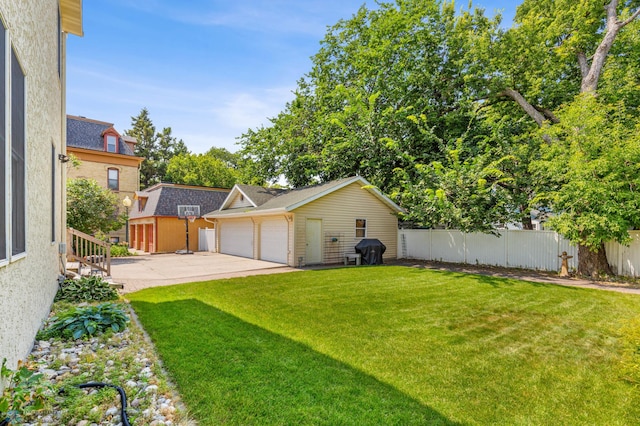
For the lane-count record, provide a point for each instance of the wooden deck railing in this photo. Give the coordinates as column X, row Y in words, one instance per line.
column 88, row 251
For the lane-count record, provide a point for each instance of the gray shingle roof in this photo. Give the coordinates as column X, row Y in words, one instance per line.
column 258, row 194
column 87, row 134
column 269, row 199
column 163, row 200
column 297, row 195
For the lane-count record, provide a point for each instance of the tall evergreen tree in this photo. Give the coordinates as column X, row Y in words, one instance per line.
column 157, row 148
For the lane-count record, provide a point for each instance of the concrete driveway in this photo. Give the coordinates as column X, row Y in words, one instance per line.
column 138, row 272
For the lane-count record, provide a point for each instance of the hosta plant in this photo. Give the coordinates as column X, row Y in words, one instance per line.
column 77, row 323
column 86, row 289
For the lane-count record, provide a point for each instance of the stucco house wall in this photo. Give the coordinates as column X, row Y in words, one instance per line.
column 28, row 282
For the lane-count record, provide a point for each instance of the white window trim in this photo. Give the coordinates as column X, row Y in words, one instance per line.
column 366, row 222
column 22, row 255
column 5, row 161
column 9, row 48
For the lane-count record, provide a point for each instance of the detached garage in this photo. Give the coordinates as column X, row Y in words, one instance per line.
column 236, row 237
column 274, row 236
column 317, row 224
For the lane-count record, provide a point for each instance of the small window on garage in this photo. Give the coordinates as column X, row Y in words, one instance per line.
column 361, row 228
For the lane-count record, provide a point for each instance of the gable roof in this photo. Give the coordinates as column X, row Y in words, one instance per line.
column 86, row 133
column 269, row 200
column 163, row 199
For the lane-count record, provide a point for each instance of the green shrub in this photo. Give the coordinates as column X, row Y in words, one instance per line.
column 24, row 393
column 120, row 250
column 88, row 289
column 76, row 323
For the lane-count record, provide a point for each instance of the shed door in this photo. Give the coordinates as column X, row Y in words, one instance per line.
column 274, row 238
column 314, row 241
column 236, row 238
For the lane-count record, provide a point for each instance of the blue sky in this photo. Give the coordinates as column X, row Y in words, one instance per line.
column 209, row 69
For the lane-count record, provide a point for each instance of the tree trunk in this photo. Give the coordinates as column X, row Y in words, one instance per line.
column 526, row 223
column 593, row 264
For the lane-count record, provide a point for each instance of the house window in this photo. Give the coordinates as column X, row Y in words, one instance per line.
column 53, row 193
column 3, row 148
column 361, row 228
column 59, row 45
column 142, row 203
column 113, row 179
column 114, row 240
column 18, row 169
column 112, row 143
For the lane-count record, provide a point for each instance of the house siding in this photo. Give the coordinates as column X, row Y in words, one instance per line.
column 339, row 211
column 240, row 201
column 28, row 284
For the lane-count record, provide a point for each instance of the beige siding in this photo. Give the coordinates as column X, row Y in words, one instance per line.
column 239, row 201
column 28, row 284
column 339, row 211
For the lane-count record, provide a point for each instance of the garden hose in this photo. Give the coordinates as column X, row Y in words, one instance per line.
column 123, row 398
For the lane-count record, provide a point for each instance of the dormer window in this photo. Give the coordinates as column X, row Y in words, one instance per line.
column 111, row 140
column 112, row 143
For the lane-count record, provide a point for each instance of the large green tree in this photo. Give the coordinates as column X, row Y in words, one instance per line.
column 202, row 170
column 443, row 108
column 157, row 148
column 593, row 170
column 559, row 51
column 91, row 208
column 386, row 90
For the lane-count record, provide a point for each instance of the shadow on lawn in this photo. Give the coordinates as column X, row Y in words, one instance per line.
column 494, row 279
column 232, row 372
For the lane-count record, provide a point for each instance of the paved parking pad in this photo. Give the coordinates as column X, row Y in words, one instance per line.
column 138, row 272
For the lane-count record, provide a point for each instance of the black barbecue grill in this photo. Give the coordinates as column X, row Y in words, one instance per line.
column 371, row 251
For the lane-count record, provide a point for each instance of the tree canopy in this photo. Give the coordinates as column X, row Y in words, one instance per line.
column 91, row 208
column 157, row 148
column 462, row 120
column 202, row 170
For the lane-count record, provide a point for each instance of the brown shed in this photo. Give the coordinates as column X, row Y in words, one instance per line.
column 154, row 225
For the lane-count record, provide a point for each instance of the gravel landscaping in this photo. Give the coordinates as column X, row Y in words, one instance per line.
column 125, row 359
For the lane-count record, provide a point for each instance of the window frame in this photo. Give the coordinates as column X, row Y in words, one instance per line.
column 53, row 193
column 18, row 218
column 361, row 228
column 109, row 170
column 107, row 135
column 5, row 179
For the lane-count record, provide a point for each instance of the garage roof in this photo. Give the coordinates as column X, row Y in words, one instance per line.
column 268, row 200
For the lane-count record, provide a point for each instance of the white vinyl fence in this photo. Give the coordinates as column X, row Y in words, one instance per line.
column 207, row 239
column 539, row 250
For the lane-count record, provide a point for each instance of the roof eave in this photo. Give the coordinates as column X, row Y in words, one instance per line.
column 232, row 194
column 223, row 214
column 365, row 184
column 71, row 17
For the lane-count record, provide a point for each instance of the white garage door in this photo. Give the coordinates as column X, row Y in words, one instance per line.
column 236, row 238
column 273, row 240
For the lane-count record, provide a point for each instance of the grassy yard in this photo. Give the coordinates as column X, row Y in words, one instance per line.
column 393, row 345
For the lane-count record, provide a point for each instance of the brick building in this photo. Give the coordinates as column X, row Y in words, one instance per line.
column 106, row 156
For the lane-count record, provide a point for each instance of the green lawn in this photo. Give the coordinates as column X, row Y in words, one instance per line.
column 393, row 345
